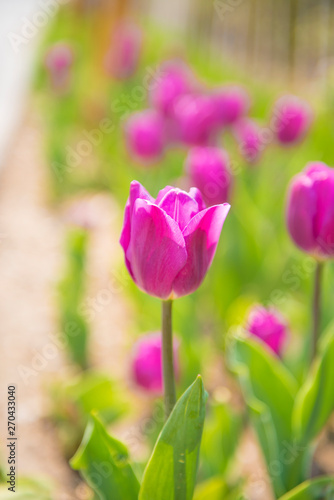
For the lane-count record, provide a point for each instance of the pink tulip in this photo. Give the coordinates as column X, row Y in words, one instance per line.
column 123, row 57
column 247, row 133
column 194, row 119
column 169, row 243
column 310, row 210
column 231, row 104
column 208, row 169
column 147, row 363
column 58, row 62
column 292, row 118
column 175, row 81
column 269, row 326
column 145, row 134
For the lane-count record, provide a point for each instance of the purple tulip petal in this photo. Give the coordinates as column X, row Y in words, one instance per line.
column 197, row 195
column 324, row 221
column 136, row 191
column 162, row 193
column 201, row 236
column 301, row 211
column 180, row 206
column 157, row 249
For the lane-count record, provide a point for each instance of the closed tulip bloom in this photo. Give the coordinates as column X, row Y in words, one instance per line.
column 147, row 363
column 247, row 133
column 310, row 210
column 231, row 103
column 194, row 119
column 269, row 326
column 292, row 117
column 145, row 134
column 175, row 80
column 208, row 169
column 123, row 57
column 169, row 243
column 58, row 62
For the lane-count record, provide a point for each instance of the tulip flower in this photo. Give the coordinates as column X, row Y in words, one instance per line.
column 123, row 57
column 58, row 62
column 194, row 119
column 231, row 104
column 147, row 363
column 247, row 133
column 292, row 118
column 145, row 134
column 269, row 326
column 169, row 244
column 175, row 81
column 310, row 220
column 208, row 169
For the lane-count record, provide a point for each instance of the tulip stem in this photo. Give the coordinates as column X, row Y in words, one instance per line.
column 316, row 308
column 167, row 358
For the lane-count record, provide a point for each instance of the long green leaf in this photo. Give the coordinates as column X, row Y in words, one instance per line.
column 315, row 401
column 269, row 391
column 171, row 471
column 316, row 489
column 103, row 462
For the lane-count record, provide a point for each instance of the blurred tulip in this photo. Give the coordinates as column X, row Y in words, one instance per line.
column 194, row 119
column 145, row 134
column 231, row 103
column 147, row 363
column 208, row 169
column 269, row 326
column 292, row 118
column 169, row 243
column 175, row 80
column 247, row 133
column 123, row 57
column 58, row 62
column 310, row 210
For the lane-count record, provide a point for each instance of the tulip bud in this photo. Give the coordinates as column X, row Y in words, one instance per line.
column 310, row 210
column 145, row 134
column 231, row 103
column 169, row 243
column 58, row 62
column 269, row 326
column 123, row 57
column 194, row 119
column 292, row 118
column 147, row 363
column 208, row 169
column 175, row 80
column 247, row 133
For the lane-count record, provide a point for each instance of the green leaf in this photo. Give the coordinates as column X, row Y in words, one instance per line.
column 315, row 489
column 171, row 471
column 212, row 489
column 315, row 400
column 269, row 391
column 103, row 462
column 220, row 438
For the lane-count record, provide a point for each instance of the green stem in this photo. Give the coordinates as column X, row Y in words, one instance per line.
column 316, row 308
column 167, row 358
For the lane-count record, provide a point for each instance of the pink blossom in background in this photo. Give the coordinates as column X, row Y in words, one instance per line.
column 169, row 242
column 269, row 326
column 247, row 133
column 145, row 135
column 208, row 170
column 58, row 61
column 174, row 80
column 231, row 103
column 123, row 57
column 310, row 210
column 291, row 118
column 147, row 363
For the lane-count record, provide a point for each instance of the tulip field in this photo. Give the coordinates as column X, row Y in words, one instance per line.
column 193, row 203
